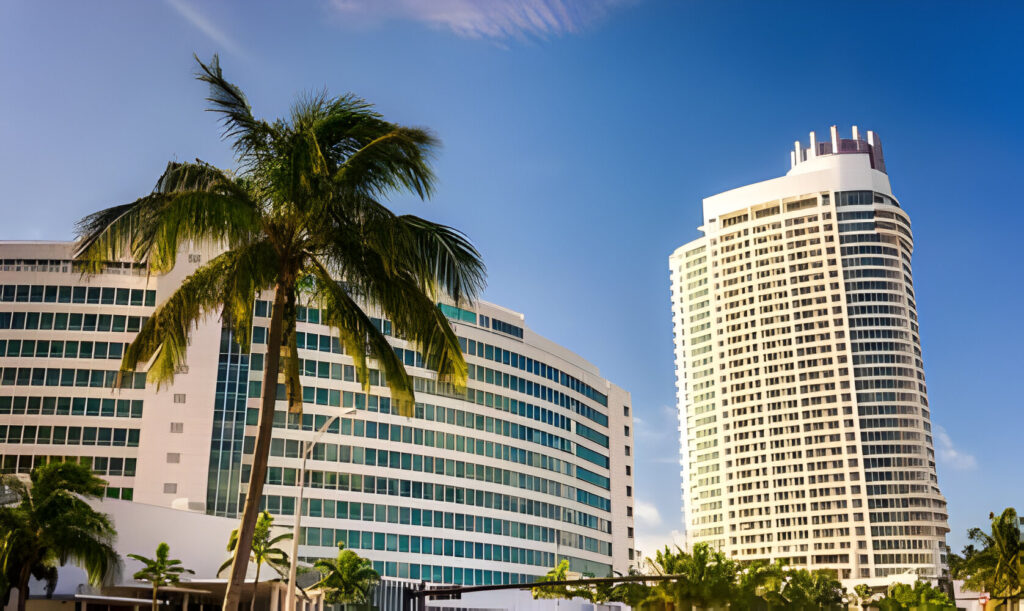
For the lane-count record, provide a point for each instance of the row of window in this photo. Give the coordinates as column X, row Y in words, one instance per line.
column 92, row 378
column 439, row 466
column 406, row 434
column 62, row 350
column 70, row 406
column 100, row 465
column 71, row 321
column 356, row 482
column 393, row 514
column 37, row 293
column 538, row 368
column 69, row 435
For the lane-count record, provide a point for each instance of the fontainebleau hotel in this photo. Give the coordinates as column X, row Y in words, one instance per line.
column 531, row 463
column 804, row 418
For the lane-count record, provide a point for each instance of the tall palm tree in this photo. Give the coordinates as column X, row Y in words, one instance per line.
column 348, row 579
column 159, row 570
column 301, row 217
column 998, row 566
column 263, row 551
column 52, row 524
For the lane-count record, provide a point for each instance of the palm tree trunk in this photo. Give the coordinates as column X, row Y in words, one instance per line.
column 271, row 366
column 23, row 577
column 255, row 587
column 156, row 603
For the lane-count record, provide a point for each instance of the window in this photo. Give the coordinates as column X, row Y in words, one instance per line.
column 170, row 488
column 629, row 532
column 177, row 427
column 626, row 429
column 625, row 410
column 629, row 511
column 629, row 491
column 173, row 458
column 629, row 470
column 179, row 397
column 627, row 451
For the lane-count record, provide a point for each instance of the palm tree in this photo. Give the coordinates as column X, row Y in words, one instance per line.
column 52, row 524
column 998, row 567
column 760, row 585
column 160, row 570
column 348, row 579
column 300, row 217
column 812, row 589
column 263, row 551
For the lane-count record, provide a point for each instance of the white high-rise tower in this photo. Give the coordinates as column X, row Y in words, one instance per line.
column 805, row 425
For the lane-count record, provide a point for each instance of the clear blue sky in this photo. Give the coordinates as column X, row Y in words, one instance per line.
column 580, row 137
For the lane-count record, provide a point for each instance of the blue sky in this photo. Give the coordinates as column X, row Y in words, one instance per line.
column 579, row 138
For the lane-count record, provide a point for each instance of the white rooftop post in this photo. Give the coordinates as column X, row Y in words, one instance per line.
column 814, row 145
column 856, row 134
column 792, row 160
column 797, row 153
column 835, row 140
column 871, row 137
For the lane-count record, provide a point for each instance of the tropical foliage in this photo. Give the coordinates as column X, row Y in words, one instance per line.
column 263, row 551
column 707, row 579
column 160, row 570
column 51, row 525
column 300, row 217
column 996, row 565
column 348, row 579
column 922, row 596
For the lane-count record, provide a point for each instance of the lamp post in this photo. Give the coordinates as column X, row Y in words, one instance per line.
column 294, row 560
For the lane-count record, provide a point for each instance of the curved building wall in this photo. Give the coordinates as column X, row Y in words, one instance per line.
column 532, row 463
column 804, row 424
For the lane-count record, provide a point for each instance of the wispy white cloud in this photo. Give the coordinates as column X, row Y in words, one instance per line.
column 496, row 19
column 646, row 514
column 207, row 27
column 950, row 455
column 649, row 542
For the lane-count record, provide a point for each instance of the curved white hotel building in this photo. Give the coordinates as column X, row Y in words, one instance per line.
column 532, row 463
column 805, row 427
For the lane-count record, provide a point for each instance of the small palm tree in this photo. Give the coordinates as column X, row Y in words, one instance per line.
column 708, row 577
column 998, row 567
column 52, row 524
column 348, row 579
column 263, row 551
column 300, row 217
column 160, row 570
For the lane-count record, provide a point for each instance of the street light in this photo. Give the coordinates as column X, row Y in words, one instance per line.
column 293, row 561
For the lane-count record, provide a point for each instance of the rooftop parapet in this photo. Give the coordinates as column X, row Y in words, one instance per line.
column 872, row 147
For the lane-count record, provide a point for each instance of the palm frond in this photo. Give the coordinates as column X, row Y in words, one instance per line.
column 398, row 159
column 249, row 134
column 360, row 338
column 166, row 335
column 192, row 202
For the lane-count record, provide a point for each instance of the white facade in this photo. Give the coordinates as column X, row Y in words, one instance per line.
column 804, row 419
column 532, row 463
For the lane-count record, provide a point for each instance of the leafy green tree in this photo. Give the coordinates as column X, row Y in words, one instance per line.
column 299, row 217
column 921, row 596
column 813, row 589
column 760, row 586
column 159, row 570
column 348, row 579
column 998, row 566
column 560, row 572
column 864, row 595
column 52, row 524
column 707, row 579
column 263, row 551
